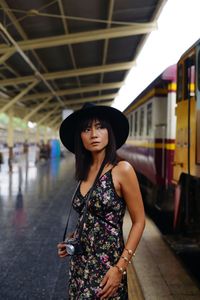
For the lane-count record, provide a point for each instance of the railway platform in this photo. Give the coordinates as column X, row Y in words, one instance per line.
column 158, row 272
column 34, row 204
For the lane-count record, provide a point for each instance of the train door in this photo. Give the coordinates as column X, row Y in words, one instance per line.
column 198, row 111
column 184, row 158
column 187, row 206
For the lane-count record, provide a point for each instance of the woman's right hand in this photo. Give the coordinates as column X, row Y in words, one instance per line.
column 62, row 250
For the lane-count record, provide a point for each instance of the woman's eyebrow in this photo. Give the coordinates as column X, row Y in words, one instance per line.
column 97, row 122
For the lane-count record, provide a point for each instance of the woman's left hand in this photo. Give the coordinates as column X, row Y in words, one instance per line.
column 110, row 283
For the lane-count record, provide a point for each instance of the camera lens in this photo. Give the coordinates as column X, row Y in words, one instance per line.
column 70, row 249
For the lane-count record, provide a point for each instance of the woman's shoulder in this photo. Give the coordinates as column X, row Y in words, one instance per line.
column 124, row 165
column 124, row 168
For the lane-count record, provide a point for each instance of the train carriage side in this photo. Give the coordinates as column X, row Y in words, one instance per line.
column 186, row 169
column 150, row 146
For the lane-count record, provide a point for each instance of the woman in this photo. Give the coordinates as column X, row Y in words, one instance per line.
column 94, row 133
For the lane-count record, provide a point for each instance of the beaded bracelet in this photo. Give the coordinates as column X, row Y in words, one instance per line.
column 130, row 252
column 120, row 269
column 126, row 259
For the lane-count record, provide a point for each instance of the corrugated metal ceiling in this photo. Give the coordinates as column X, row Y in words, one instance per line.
column 59, row 54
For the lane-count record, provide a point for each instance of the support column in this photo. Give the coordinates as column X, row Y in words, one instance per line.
column 37, row 137
column 45, row 135
column 26, row 134
column 10, row 139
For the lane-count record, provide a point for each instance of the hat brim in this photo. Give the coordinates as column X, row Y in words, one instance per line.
column 118, row 121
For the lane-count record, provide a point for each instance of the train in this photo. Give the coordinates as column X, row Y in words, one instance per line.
column 164, row 146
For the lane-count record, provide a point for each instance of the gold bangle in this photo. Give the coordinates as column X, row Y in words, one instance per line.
column 130, row 252
column 126, row 259
column 120, row 269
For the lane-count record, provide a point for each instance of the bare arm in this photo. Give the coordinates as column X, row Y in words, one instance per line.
column 132, row 195
column 129, row 188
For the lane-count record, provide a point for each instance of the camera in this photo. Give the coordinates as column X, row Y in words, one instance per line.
column 73, row 246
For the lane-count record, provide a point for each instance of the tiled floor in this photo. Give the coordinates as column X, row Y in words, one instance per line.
column 34, row 203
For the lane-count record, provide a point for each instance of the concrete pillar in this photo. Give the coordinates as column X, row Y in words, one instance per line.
column 37, row 136
column 45, row 135
column 10, row 139
column 26, row 135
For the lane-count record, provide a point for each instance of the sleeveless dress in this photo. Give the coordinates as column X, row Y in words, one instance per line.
column 103, row 241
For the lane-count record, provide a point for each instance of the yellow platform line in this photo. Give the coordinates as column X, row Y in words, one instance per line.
column 134, row 289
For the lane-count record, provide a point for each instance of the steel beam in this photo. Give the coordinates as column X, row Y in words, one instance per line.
column 47, row 115
column 54, row 120
column 105, row 86
column 18, row 97
column 35, row 110
column 6, row 56
column 78, row 106
column 84, row 100
column 70, row 73
column 82, row 37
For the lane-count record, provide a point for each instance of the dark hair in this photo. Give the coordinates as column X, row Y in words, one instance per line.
column 83, row 156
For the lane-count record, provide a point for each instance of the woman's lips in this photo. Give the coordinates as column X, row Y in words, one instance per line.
column 94, row 143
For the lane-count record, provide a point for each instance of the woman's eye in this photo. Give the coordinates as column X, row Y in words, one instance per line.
column 87, row 129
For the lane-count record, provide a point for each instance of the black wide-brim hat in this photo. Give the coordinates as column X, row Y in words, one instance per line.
column 116, row 118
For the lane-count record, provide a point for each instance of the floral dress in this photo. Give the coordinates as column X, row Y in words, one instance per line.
column 103, row 241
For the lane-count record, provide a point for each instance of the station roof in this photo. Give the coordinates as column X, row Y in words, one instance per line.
column 59, row 54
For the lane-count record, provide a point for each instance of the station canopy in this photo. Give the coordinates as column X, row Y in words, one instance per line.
column 59, row 54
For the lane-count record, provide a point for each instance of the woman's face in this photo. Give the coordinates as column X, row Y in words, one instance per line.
column 95, row 137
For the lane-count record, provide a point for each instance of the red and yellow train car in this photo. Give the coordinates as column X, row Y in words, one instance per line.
column 151, row 143
column 186, row 166
column 164, row 144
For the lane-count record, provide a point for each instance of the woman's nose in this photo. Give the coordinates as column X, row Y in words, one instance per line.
column 93, row 132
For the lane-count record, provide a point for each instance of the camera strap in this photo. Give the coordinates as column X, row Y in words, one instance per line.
column 67, row 223
column 86, row 203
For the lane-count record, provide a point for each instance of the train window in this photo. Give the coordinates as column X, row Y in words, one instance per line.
column 142, row 121
column 149, row 119
column 180, row 83
column 192, row 76
column 186, row 79
column 189, row 78
column 136, row 123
